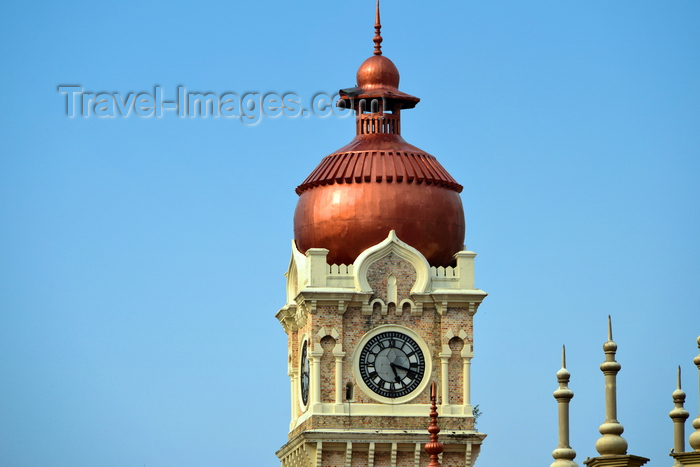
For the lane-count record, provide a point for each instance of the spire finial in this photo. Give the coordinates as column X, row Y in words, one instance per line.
column 611, row 443
column 611, row 446
column 563, row 455
column 377, row 34
column 679, row 416
column 434, row 448
column 694, row 439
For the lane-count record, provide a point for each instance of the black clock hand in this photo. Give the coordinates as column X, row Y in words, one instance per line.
column 396, row 373
column 408, row 370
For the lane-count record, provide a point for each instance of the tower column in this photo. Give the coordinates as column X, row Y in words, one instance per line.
column 315, row 386
column 445, row 378
column 467, row 355
column 339, row 355
column 294, row 381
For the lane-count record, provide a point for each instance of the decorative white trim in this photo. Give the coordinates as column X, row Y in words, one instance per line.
column 292, row 281
column 391, row 290
column 315, row 353
column 323, row 332
column 319, row 453
column 348, row 454
column 392, row 244
column 296, row 277
column 448, row 335
column 411, row 303
column 382, row 306
column 376, row 409
column 416, row 455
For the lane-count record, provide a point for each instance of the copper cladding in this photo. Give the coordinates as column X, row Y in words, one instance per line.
column 379, row 182
column 349, row 218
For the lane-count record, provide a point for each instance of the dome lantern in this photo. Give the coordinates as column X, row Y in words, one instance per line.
column 379, row 182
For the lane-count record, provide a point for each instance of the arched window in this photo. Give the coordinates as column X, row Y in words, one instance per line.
column 349, row 392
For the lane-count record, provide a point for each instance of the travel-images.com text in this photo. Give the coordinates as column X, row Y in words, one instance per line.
column 249, row 108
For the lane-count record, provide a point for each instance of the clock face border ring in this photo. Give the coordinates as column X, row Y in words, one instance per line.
column 426, row 355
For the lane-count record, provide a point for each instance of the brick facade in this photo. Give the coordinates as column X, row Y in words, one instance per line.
column 380, row 270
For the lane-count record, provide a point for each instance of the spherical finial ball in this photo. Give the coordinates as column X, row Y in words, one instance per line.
column 563, row 373
column 378, row 72
column 609, row 346
column 678, row 394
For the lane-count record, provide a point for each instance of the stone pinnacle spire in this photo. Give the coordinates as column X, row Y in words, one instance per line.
column 611, row 446
column 679, row 416
column 611, row 442
column 563, row 455
column 694, row 439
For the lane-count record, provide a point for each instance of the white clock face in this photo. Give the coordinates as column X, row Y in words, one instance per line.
column 304, row 374
column 392, row 364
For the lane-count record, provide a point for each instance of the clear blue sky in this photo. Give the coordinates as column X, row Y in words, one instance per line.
column 141, row 259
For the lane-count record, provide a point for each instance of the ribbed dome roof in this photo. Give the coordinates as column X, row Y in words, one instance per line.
column 367, row 161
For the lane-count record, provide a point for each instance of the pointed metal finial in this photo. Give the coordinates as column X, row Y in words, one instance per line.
column 377, row 34
column 609, row 328
column 434, row 448
column 563, row 356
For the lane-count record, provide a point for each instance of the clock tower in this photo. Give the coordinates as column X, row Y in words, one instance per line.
column 380, row 296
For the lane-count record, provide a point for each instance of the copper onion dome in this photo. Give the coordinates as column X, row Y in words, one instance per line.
column 379, row 182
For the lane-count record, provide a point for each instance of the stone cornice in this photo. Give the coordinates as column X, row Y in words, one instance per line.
column 286, row 316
